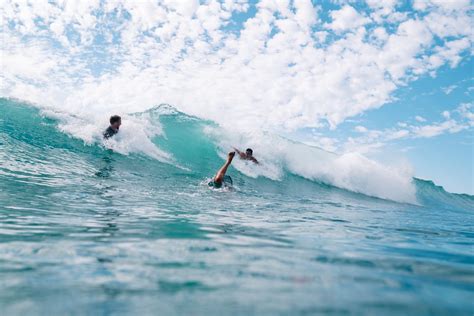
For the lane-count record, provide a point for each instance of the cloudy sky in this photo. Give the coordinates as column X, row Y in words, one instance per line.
column 390, row 79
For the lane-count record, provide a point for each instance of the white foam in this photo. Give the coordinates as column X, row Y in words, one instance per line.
column 351, row 171
column 226, row 140
column 135, row 134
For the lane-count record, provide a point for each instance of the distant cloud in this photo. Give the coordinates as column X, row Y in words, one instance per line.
column 449, row 89
column 462, row 118
column 360, row 129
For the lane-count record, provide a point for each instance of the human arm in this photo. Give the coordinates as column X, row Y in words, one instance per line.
column 221, row 173
column 241, row 154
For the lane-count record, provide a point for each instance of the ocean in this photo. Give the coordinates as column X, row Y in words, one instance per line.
column 129, row 226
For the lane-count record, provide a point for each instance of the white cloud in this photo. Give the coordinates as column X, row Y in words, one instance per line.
column 186, row 8
column 443, row 4
column 380, row 34
column 382, row 9
column 360, row 129
column 420, row 118
column 436, row 129
column 346, row 18
column 282, row 70
column 306, row 14
column 382, row 4
column 451, row 124
column 449, row 89
column 461, row 118
column 402, row 133
column 465, row 111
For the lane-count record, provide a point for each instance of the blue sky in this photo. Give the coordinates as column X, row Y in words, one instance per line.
column 447, row 159
column 391, row 80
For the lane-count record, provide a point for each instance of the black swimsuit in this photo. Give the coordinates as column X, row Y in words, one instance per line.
column 227, row 181
column 109, row 132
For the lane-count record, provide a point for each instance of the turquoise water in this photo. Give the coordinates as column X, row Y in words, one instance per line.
column 88, row 230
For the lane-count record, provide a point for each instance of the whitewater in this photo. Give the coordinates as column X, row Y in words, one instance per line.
column 130, row 226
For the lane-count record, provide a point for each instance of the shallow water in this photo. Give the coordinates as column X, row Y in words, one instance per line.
column 85, row 230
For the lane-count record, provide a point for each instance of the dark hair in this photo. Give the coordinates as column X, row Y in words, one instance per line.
column 114, row 119
column 249, row 150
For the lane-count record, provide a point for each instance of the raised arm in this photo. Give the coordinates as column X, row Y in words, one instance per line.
column 219, row 177
column 241, row 154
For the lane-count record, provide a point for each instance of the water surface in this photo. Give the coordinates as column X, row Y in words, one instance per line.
column 86, row 230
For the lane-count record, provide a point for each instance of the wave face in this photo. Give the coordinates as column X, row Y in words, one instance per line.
column 131, row 219
column 177, row 141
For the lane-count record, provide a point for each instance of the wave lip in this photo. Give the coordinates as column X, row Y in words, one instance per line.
column 430, row 194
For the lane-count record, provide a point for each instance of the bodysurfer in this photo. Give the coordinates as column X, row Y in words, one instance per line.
column 247, row 155
column 115, row 122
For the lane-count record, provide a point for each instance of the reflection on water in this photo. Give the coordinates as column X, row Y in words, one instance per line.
column 107, row 168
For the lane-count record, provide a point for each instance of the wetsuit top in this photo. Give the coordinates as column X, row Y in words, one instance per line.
column 109, row 132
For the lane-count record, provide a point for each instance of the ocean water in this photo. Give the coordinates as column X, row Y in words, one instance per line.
column 129, row 226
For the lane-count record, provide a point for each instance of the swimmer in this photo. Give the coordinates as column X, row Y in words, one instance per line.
column 247, row 155
column 115, row 122
column 221, row 177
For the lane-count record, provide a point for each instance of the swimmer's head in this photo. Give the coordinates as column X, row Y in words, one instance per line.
column 249, row 152
column 115, row 121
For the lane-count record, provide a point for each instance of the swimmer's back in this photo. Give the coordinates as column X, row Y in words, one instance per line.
column 227, row 182
column 109, row 132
